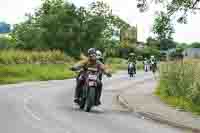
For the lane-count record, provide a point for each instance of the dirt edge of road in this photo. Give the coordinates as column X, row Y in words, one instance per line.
column 124, row 103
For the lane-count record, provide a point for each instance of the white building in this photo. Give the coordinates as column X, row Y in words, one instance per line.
column 191, row 53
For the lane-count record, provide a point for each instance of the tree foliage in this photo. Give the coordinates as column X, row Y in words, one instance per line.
column 195, row 45
column 167, row 44
column 162, row 26
column 153, row 43
column 173, row 8
column 5, row 43
column 61, row 25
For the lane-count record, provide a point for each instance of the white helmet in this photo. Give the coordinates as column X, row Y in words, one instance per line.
column 152, row 56
column 99, row 54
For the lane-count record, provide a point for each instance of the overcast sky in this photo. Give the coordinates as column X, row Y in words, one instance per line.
column 12, row 11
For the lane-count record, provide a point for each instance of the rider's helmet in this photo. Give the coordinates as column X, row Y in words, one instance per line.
column 131, row 54
column 99, row 54
column 92, row 54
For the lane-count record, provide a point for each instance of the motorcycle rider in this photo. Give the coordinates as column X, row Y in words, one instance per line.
column 146, row 64
column 90, row 62
column 153, row 61
column 132, row 59
column 100, row 58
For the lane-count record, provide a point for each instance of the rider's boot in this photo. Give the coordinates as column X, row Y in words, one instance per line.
column 135, row 69
column 128, row 70
column 77, row 95
column 78, row 91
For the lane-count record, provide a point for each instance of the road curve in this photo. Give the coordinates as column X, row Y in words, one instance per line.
column 46, row 107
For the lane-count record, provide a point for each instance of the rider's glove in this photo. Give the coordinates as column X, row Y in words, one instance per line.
column 109, row 74
column 72, row 69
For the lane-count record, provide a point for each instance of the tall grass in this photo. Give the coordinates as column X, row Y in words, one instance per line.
column 32, row 57
column 31, row 72
column 181, row 80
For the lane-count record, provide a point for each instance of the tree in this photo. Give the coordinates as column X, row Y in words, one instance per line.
column 61, row 25
column 194, row 45
column 147, row 52
column 154, row 43
column 173, row 7
column 167, row 44
column 162, row 27
column 6, row 43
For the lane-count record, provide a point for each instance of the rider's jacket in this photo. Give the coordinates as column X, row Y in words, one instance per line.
column 146, row 62
column 86, row 63
column 132, row 60
column 153, row 61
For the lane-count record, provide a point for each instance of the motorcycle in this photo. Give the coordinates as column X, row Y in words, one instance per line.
column 88, row 97
column 146, row 66
column 153, row 66
column 131, row 69
column 88, row 94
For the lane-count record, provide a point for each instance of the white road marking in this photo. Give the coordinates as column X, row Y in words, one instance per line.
column 26, row 108
column 33, row 115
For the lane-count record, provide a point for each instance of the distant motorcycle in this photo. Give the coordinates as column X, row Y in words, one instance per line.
column 153, row 66
column 131, row 69
column 146, row 66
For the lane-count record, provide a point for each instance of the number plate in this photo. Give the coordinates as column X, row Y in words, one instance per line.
column 92, row 77
column 92, row 83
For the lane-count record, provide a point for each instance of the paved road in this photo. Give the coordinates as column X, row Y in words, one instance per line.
column 46, row 107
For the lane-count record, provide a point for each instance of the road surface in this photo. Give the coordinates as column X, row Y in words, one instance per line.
column 46, row 107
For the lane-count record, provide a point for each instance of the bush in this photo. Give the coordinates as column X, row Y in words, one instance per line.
column 27, row 57
column 117, row 64
column 194, row 45
column 6, row 43
column 181, row 80
column 147, row 52
column 140, row 65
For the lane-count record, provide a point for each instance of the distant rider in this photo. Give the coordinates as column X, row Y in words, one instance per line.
column 153, row 62
column 132, row 59
column 146, row 64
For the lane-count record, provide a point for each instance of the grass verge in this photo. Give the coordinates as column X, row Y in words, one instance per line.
column 178, row 102
column 15, row 73
column 10, row 74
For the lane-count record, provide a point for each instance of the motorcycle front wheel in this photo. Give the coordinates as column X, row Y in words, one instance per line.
column 90, row 100
column 82, row 103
